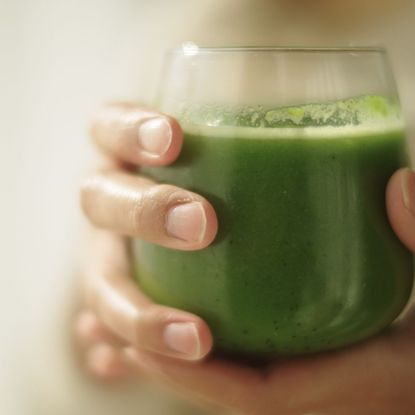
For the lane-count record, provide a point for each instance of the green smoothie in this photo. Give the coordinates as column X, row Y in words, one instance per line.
column 305, row 259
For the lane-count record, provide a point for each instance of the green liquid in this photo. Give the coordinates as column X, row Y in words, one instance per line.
column 305, row 259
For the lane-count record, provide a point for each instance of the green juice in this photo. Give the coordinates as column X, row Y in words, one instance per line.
column 305, row 259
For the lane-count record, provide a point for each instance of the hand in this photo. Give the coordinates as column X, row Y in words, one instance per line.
column 372, row 378
column 116, row 314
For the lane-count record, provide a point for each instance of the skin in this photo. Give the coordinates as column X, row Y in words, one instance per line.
column 351, row 11
column 338, row 20
column 122, row 333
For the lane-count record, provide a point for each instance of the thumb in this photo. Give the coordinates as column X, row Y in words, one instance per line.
column 400, row 204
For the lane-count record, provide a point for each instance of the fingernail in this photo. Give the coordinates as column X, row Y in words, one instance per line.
column 408, row 190
column 187, row 222
column 154, row 136
column 183, row 338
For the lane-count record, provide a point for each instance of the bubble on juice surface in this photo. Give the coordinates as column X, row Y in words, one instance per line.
column 367, row 109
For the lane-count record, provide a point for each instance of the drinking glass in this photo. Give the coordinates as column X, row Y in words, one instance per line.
column 294, row 148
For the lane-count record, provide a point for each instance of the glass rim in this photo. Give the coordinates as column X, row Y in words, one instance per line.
column 191, row 49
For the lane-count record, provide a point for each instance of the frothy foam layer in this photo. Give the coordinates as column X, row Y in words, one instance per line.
column 361, row 115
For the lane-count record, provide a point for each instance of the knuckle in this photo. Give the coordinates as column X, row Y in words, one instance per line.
column 91, row 189
column 108, row 127
column 162, row 191
column 124, row 130
column 148, row 215
column 137, row 213
column 144, row 323
column 86, row 193
column 119, row 138
column 167, row 194
column 150, row 207
column 93, row 289
column 152, row 315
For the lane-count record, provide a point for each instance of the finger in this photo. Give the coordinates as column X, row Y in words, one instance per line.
column 123, row 309
column 400, row 202
column 90, row 331
column 216, row 382
column 104, row 362
column 137, row 135
column 159, row 213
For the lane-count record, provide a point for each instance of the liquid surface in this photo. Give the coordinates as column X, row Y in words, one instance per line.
column 305, row 259
column 368, row 112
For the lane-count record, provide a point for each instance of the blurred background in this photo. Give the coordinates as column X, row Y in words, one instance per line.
column 59, row 61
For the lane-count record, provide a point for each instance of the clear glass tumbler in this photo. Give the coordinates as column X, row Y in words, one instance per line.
column 294, row 148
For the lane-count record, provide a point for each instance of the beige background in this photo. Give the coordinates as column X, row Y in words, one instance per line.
column 58, row 61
